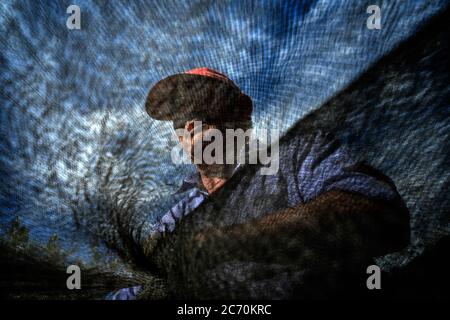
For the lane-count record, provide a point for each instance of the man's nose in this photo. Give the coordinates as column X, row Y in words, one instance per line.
column 194, row 126
column 190, row 125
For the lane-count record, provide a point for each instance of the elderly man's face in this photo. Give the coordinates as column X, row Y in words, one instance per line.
column 215, row 147
column 199, row 135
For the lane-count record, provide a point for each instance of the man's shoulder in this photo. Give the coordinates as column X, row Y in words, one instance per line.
column 295, row 144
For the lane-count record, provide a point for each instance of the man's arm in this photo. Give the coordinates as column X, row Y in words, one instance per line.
column 336, row 225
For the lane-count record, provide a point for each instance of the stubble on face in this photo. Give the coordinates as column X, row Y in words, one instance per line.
column 196, row 137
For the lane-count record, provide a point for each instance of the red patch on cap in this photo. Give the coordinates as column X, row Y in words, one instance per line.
column 208, row 73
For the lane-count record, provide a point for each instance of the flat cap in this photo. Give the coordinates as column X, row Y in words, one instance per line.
column 200, row 93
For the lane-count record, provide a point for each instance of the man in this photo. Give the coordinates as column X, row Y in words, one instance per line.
column 318, row 184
